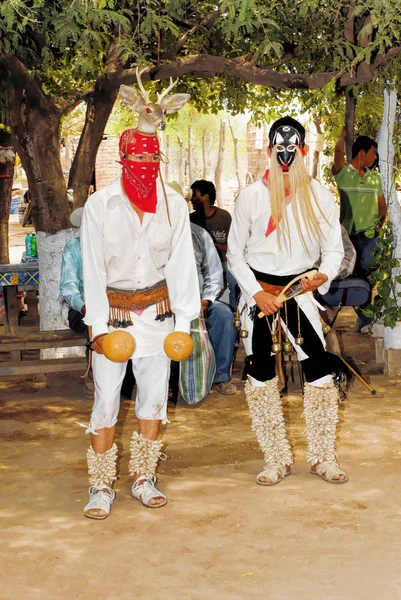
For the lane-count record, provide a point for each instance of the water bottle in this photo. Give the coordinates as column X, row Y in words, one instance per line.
column 28, row 245
column 34, row 246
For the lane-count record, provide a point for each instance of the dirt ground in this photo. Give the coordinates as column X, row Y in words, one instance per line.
column 220, row 536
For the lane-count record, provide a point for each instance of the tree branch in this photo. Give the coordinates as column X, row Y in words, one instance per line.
column 206, row 65
column 365, row 71
column 349, row 32
column 206, row 24
column 113, row 65
column 365, row 39
column 19, row 74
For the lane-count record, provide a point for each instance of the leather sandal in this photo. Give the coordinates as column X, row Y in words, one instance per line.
column 226, row 388
column 144, row 490
column 275, row 473
column 327, row 470
column 101, row 497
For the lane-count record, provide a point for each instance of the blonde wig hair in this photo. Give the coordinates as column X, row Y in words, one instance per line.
column 302, row 198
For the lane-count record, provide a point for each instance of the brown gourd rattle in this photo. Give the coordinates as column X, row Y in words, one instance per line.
column 178, row 345
column 118, row 346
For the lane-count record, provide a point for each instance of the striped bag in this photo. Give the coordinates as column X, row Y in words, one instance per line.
column 198, row 371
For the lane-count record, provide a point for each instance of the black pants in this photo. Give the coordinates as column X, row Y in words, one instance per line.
column 76, row 322
column 262, row 363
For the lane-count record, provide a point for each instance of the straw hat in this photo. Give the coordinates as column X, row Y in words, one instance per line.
column 76, row 217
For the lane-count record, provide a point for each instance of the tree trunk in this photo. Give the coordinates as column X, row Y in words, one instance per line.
column 35, row 133
column 204, row 154
column 180, row 160
column 236, row 155
column 350, row 106
column 98, row 111
column 53, row 310
column 220, row 163
column 190, row 157
column 392, row 337
column 35, row 125
column 7, row 162
column 318, row 147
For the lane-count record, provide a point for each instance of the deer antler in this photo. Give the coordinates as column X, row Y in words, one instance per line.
column 166, row 91
column 145, row 94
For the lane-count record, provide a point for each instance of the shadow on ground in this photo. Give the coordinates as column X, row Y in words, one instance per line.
column 220, row 536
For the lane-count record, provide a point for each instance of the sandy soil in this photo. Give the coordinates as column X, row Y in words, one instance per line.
column 220, row 536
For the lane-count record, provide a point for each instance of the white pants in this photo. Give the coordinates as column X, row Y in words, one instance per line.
column 152, row 377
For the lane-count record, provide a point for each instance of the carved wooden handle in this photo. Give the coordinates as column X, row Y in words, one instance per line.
column 283, row 296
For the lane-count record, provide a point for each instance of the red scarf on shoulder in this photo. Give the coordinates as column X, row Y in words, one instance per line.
column 271, row 226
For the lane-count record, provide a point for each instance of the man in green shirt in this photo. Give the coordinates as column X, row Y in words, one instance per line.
column 363, row 206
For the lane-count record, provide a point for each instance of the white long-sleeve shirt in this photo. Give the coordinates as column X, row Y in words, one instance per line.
column 121, row 252
column 248, row 245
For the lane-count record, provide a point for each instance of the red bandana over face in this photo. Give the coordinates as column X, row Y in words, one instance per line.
column 139, row 177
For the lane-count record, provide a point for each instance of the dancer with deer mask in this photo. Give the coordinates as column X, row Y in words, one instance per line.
column 140, row 276
column 282, row 225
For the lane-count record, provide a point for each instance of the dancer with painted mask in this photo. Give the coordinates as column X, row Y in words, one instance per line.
column 281, row 226
column 139, row 271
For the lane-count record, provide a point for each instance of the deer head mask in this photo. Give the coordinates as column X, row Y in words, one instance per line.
column 139, row 148
column 151, row 115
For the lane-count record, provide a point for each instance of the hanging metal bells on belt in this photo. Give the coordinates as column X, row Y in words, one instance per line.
column 299, row 340
column 276, row 343
column 276, row 347
column 326, row 328
column 243, row 333
column 287, row 346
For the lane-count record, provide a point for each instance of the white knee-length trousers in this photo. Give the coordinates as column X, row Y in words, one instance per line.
column 152, row 378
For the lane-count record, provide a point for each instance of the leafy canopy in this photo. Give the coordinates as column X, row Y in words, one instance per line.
column 67, row 44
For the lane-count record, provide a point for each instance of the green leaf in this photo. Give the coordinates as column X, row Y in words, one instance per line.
column 389, row 321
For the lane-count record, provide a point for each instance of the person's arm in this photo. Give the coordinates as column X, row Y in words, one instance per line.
column 339, row 152
column 332, row 249
column 94, row 268
column 69, row 280
column 212, row 271
column 237, row 240
column 181, row 273
column 382, row 210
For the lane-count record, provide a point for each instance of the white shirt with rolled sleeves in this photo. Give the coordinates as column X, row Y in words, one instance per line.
column 121, row 252
column 248, row 244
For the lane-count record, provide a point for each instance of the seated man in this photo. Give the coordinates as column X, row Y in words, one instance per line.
column 71, row 283
column 218, row 316
column 217, row 222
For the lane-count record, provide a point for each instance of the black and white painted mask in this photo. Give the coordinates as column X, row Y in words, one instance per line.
column 286, row 139
column 286, row 134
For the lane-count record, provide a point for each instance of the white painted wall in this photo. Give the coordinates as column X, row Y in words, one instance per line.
column 392, row 337
column 52, row 314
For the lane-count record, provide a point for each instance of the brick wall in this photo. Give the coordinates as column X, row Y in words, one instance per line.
column 106, row 167
column 256, row 150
